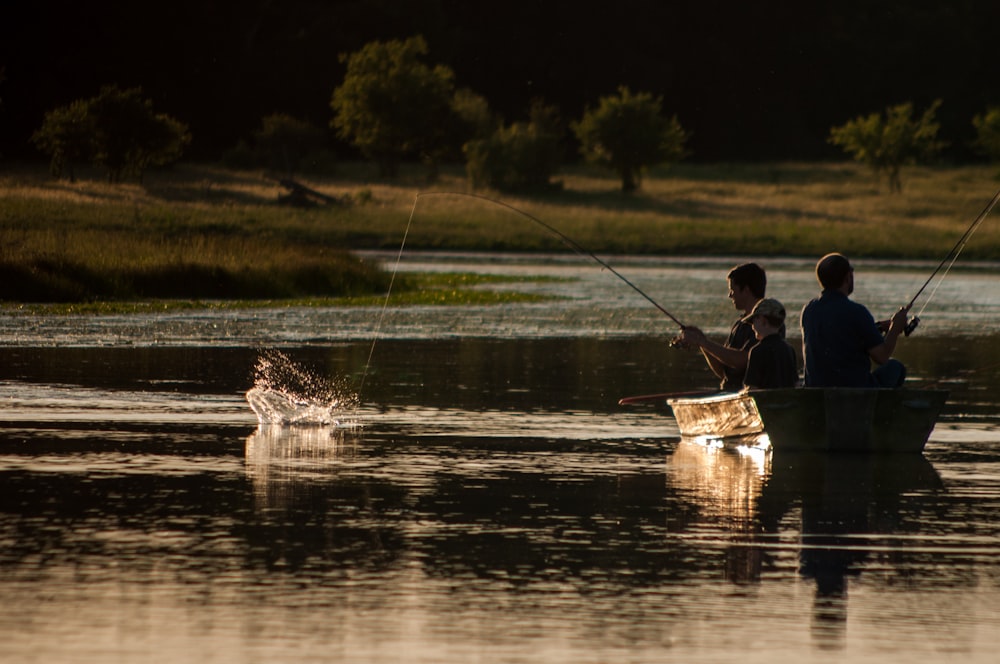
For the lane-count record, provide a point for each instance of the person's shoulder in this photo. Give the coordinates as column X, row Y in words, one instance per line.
column 775, row 339
column 821, row 300
column 811, row 303
column 857, row 308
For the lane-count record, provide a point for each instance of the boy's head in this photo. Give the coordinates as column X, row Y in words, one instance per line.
column 767, row 317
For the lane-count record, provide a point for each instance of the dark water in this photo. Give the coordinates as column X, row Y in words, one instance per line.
column 487, row 501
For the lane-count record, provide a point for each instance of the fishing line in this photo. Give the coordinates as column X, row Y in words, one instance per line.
column 385, row 303
column 569, row 242
column 565, row 239
column 953, row 256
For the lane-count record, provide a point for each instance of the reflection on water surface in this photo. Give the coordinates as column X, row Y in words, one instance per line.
column 487, row 501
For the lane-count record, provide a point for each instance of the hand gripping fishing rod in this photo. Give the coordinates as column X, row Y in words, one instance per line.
column 949, row 260
column 565, row 239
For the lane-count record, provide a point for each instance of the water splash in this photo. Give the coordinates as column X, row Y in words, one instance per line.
column 286, row 393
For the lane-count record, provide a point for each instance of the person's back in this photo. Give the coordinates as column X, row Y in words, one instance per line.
column 840, row 338
column 837, row 334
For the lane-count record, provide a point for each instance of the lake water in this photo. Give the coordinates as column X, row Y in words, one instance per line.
column 486, row 499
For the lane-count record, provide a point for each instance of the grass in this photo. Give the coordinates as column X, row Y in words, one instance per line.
column 201, row 233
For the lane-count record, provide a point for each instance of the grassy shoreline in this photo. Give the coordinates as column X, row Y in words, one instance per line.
column 198, row 231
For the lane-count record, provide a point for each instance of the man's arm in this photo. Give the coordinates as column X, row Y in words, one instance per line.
column 881, row 353
column 734, row 358
column 717, row 355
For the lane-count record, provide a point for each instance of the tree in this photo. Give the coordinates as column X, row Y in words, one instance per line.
column 471, row 119
column 129, row 137
column 888, row 142
column 116, row 129
column 987, row 126
column 522, row 156
column 628, row 133
column 164, row 144
column 391, row 105
column 67, row 136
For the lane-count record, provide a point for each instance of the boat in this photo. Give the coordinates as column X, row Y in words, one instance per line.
column 815, row 419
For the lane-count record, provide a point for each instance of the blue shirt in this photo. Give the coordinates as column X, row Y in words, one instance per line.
column 837, row 334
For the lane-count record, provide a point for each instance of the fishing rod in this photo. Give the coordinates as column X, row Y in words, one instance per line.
column 953, row 256
column 569, row 242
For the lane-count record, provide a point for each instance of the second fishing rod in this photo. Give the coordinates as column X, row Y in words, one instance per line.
column 949, row 261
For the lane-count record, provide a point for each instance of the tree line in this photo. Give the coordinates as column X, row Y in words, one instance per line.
column 394, row 106
column 749, row 81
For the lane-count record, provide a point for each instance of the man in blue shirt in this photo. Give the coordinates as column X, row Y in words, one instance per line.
column 840, row 338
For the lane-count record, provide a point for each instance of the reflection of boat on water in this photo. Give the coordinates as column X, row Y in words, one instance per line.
column 726, row 483
column 817, row 419
column 848, row 508
column 852, row 505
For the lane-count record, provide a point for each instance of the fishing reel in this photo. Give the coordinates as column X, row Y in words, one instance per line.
column 911, row 326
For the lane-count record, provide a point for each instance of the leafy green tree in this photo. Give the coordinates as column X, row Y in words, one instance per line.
column 471, row 119
column 627, row 133
column 67, row 137
column 391, row 105
column 522, row 156
column 129, row 137
column 116, row 129
column 887, row 142
column 987, row 141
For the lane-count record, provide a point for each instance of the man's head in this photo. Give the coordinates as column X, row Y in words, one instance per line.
column 747, row 284
column 834, row 272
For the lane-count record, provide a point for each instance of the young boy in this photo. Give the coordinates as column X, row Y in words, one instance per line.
column 771, row 362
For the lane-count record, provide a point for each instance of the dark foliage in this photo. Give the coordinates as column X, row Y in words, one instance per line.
column 748, row 80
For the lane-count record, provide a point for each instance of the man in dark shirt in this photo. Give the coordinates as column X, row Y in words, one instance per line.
column 771, row 363
column 840, row 338
column 728, row 361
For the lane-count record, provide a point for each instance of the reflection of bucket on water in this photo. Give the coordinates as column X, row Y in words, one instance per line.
column 283, row 462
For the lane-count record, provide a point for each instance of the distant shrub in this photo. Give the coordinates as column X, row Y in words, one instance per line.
column 240, row 157
column 889, row 141
column 391, row 105
column 283, row 144
column 628, row 133
column 987, row 141
column 116, row 129
column 67, row 137
column 522, row 156
column 472, row 119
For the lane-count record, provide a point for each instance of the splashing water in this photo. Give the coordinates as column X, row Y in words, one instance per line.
column 287, row 393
